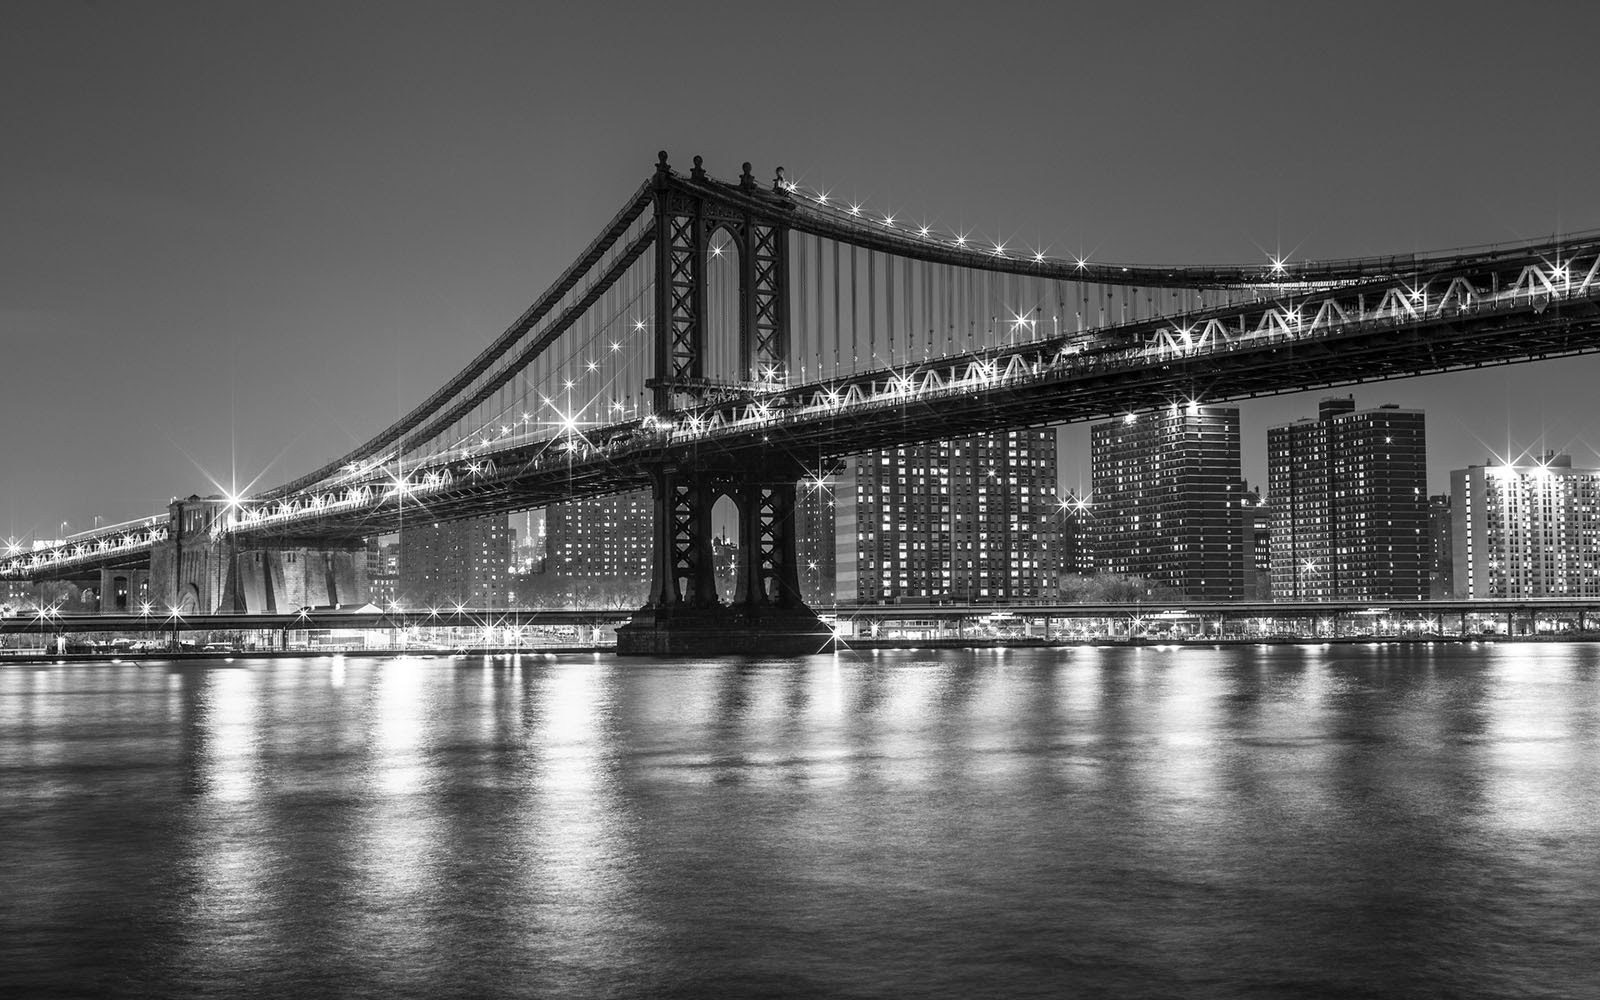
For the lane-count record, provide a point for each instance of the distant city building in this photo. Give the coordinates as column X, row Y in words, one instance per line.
column 383, row 572
column 1074, row 552
column 968, row 519
column 456, row 562
column 17, row 594
column 604, row 538
column 1441, row 577
column 1350, row 511
column 1167, row 495
column 1256, row 529
column 1522, row 531
column 814, row 527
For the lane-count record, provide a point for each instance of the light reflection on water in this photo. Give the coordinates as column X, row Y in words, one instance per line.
column 1376, row 820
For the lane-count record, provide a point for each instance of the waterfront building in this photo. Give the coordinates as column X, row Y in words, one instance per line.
column 1350, row 511
column 442, row 564
column 1167, row 500
column 1526, row 531
column 603, row 538
column 966, row 519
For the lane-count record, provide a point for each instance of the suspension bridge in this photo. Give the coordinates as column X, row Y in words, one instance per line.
column 731, row 338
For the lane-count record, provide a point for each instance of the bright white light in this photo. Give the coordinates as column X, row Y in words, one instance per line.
column 569, row 383
column 1277, row 264
column 923, row 230
column 888, row 220
column 822, row 197
column 1194, row 408
column 855, row 209
column 1038, row 256
column 716, row 251
column 961, row 239
column 999, row 250
column 1130, row 418
column 594, row 366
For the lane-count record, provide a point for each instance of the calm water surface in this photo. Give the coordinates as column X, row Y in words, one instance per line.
column 1267, row 821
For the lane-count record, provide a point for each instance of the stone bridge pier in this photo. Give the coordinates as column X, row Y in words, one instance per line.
column 201, row 568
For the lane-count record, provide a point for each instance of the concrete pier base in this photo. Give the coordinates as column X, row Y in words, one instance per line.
column 724, row 631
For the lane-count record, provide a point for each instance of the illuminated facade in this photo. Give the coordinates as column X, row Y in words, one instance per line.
column 456, row 562
column 605, row 538
column 1526, row 530
column 968, row 519
column 1167, row 500
column 1349, row 505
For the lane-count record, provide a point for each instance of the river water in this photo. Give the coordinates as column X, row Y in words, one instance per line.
column 1274, row 821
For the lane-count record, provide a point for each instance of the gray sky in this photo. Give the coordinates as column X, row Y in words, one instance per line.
column 246, row 236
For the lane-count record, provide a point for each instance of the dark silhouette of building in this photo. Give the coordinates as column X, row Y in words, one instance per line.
column 815, row 544
column 1441, row 565
column 1166, row 500
column 1074, row 553
column 1256, row 529
column 1350, row 511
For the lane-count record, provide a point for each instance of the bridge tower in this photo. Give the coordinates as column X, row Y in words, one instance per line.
column 685, row 615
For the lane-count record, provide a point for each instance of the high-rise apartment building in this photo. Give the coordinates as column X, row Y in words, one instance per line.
column 1523, row 531
column 968, row 519
column 456, row 562
column 1167, row 500
column 1350, row 510
column 604, row 538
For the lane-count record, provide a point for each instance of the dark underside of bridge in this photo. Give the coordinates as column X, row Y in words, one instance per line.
column 1089, row 392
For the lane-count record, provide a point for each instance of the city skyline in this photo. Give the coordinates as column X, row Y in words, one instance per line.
column 220, row 285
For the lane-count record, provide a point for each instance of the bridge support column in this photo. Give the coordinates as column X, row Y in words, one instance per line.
column 766, row 615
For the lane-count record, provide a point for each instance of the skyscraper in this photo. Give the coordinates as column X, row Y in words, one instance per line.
column 456, row 562
column 1526, row 530
column 968, row 519
column 1349, row 503
column 1166, row 499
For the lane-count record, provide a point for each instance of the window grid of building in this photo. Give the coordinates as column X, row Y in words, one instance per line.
column 1167, row 498
column 1526, row 531
column 1350, row 516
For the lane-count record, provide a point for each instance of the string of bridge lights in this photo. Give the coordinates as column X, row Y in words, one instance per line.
column 1277, row 265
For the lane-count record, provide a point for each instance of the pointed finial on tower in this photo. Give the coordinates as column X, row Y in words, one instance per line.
column 778, row 184
column 747, row 180
column 699, row 171
column 661, row 163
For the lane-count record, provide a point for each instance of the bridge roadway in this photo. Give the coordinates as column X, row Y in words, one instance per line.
column 1055, row 380
column 1586, row 609
column 58, row 624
